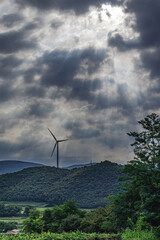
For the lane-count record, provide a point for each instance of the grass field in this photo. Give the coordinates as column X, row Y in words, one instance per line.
column 19, row 220
column 24, row 204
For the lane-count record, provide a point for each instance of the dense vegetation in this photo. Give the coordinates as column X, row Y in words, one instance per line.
column 10, row 211
column 142, row 193
column 4, row 227
column 88, row 186
column 63, row 236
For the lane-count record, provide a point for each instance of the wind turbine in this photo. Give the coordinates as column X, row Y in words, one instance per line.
column 56, row 144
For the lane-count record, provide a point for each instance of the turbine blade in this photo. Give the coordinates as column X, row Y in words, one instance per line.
column 52, row 134
column 53, row 149
column 63, row 140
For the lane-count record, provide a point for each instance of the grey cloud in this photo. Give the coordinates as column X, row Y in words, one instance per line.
column 85, row 133
column 8, row 66
column 72, row 125
column 83, row 89
column 78, row 131
column 147, row 20
column 146, row 24
column 123, row 45
column 56, row 24
column 38, row 109
column 11, row 42
column 6, row 92
column 113, row 141
column 151, row 62
column 7, row 122
column 35, row 91
column 79, row 7
column 11, row 19
column 59, row 68
column 31, row 26
column 22, row 147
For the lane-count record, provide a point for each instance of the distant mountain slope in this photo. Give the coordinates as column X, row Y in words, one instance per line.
column 88, row 186
column 10, row 166
column 79, row 165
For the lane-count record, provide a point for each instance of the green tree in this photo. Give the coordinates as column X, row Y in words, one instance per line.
column 94, row 221
column 5, row 226
column 142, row 191
column 34, row 223
column 60, row 217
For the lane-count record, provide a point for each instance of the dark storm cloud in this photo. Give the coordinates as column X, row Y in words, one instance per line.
column 7, row 122
column 120, row 100
column 78, row 131
column 147, row 14
column 8, row 66
column 151, row 62
column 59, row 68
column 113, row 141
column 38, row 109
column 84, row 89
column 147, row 18
column 6, row 92
column 11, row 20
column 35, row 91
column 63, row 66
column 123, row 45
column 13, row 41
column 23, row 147
column 79, row 7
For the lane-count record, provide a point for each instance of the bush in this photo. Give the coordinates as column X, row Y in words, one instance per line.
column 4, row 227
column 138, row 235
column 156, row 231
column 64, row 236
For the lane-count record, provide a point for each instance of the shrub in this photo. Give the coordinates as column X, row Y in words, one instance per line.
column 138, row 235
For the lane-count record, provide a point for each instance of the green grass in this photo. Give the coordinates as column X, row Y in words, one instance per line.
column 18, row 220
column 24, row 204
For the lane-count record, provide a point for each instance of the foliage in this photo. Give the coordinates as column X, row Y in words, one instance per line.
column 9, row 211
column 4, row 227
column 34, row 223
column 27, row 210
column 138, row 235
column 55, row 186
column 142, row 191
column 64, row 236
column 70, row 223
column 66, row 217
column 94, row 221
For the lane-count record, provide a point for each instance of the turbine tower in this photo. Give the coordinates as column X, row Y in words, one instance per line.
column 56, row 144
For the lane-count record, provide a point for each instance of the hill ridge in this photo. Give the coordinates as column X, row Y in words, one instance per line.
column 88, row 186
column 10, row 166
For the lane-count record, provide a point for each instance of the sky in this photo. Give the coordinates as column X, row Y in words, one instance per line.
column 87, row 70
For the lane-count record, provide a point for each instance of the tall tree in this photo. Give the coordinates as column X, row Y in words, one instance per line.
column 144, row 169
column 142, row 195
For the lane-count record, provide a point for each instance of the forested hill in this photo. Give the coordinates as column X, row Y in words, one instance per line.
column 10, row 166
column 88, row 186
